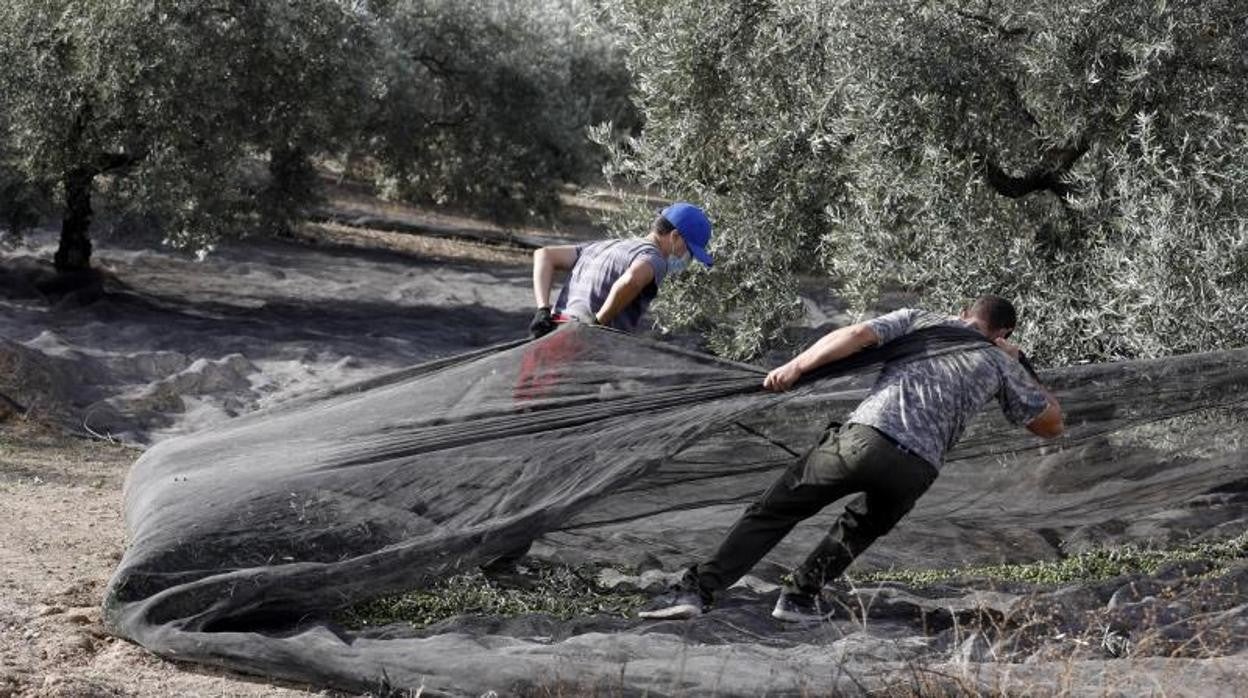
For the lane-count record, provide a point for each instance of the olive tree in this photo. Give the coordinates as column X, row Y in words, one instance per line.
column 1087, row 158
column 486, row 102
column 167, row 103
column 208, row 117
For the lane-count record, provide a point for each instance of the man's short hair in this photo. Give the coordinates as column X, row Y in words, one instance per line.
column 996, row 311
column 661, row 225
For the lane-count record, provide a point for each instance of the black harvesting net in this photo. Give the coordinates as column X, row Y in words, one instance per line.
column 246, row 538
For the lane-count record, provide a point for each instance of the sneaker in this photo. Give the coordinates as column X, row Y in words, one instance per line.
column 674, row 605
column 798, row 607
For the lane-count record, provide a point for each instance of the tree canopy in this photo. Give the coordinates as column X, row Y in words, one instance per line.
column 1086, row 158
column 487, row 102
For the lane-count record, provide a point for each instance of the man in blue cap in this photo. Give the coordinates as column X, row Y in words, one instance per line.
column 612, row 282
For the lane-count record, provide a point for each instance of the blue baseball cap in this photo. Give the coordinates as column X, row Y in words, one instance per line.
column 693, row 226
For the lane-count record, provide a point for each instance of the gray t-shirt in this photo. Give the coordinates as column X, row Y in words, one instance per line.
column 926, row 404
column 598, row 266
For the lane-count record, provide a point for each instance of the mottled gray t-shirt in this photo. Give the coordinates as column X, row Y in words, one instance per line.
column 598, row 266
column 926, row 404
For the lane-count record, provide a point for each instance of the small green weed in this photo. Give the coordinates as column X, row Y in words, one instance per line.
column 1089, row 566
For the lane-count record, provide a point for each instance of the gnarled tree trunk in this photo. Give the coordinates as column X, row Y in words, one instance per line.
column 292, row 187
column 74, row 253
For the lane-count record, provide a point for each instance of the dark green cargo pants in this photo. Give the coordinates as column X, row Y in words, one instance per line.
column 855, row 459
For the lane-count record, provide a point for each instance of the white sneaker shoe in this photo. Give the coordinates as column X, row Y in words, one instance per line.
column 674, row 605
column 796, row 607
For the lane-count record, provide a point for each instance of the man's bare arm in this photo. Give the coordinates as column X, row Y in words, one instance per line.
column 625, row 289
column 545, row 261
column 1050, row 423
column 833, row 346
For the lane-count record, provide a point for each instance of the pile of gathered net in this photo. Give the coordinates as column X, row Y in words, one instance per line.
column 246, row 538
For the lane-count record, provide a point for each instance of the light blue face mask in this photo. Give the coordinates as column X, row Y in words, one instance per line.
column 675, row 265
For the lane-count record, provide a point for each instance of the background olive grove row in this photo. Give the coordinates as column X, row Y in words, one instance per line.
column 1088, row 158
column 209, row 118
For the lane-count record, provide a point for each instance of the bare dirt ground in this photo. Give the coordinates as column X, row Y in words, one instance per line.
column 60, row 511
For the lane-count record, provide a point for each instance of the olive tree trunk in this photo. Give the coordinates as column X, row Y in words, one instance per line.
column 74, row 253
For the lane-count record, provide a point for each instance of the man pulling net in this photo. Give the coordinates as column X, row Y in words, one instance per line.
column 890, row 451
column 612, row 282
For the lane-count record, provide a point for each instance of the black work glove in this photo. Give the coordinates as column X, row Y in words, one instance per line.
column 542, row 323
